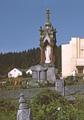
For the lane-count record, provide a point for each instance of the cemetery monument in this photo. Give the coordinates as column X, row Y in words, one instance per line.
column 46, row 68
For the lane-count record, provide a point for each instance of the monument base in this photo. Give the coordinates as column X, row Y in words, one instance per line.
column 39, row 73
column 46, row 72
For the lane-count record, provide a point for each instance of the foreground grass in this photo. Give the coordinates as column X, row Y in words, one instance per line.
column 9, row 107
column 8, row 115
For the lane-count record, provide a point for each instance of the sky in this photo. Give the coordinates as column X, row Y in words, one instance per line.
column 20, row 21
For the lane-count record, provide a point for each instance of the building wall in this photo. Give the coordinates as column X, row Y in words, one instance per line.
column 14, row 73
column 66, row 58
column 72, row 56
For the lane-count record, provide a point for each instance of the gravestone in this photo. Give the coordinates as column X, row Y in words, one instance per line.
column 59, row 86
column 23, row 112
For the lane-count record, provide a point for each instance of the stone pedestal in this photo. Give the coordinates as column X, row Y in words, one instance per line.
column 39, row 73
column 44, row 72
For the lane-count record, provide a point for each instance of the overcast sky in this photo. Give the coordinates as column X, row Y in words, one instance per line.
column 20, row 21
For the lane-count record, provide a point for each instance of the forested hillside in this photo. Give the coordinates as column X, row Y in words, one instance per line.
column 23, row 59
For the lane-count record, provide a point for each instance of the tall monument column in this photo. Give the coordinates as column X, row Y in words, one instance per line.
column 48, row 41
column 46, row 69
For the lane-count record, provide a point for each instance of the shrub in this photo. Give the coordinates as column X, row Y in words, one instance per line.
column 49, row 105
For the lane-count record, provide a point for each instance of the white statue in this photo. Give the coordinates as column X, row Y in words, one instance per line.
column 47, row 54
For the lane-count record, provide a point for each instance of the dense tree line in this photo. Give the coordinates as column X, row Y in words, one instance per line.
column 23, row 59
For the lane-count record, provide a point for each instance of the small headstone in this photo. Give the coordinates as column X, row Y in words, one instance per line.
column 59, row 86
column 23, row 112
